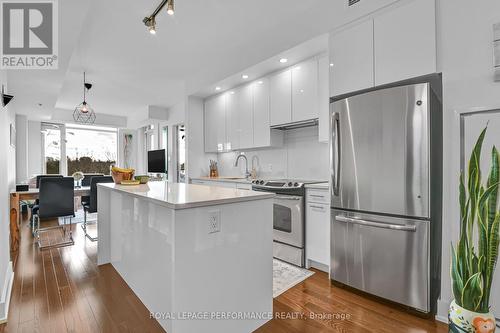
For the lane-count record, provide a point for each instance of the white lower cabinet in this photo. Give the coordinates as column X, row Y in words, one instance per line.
column 318, row 229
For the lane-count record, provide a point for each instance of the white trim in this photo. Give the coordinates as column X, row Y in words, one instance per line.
column 443, row 307
column 7, row 292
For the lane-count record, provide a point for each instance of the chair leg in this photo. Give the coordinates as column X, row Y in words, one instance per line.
column 84, row 227
column 68, row 242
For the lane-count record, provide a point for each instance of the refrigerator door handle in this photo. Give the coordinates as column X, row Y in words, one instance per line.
column 335, row 150
column 341, row 218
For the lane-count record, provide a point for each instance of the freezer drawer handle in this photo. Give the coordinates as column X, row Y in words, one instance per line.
column 376, row 224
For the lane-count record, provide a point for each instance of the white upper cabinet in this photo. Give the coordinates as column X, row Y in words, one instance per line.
column 324, row 98
column 280, row 90
column 261, row 120
column 351, row 53
column 405, row 42
column 215, row 124
column 245, row 109
column 232, row 120
column 305, row 90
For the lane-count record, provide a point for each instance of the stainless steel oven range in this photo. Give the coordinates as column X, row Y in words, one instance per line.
column 288, row 219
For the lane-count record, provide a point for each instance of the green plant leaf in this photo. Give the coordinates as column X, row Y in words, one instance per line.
column 456, row 278
column 473, row 292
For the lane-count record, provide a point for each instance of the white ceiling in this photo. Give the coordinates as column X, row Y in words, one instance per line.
column 204, row 43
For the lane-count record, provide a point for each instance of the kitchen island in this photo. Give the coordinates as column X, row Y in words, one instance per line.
column 198, row 257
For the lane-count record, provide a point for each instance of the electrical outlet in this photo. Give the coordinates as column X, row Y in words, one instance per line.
column 270, row 167
column 214, row 221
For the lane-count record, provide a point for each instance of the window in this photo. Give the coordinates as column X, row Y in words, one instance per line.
column 90, row 149
column 150, row 136
column 164, row 145
column 71, row 148
column 51, row 143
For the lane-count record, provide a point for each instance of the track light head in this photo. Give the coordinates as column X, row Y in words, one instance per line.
column 170, row 7
column 150, row 23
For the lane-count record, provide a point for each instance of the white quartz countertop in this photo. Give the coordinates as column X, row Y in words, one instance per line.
column 183, row 196
column 318, row 186
column 224, row 179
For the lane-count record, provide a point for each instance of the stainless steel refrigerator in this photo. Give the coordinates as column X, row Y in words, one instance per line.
column 386, row 166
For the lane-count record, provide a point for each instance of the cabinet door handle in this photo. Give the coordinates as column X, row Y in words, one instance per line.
column 317, row 207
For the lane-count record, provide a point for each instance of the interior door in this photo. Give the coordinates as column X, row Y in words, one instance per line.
column 380, row 148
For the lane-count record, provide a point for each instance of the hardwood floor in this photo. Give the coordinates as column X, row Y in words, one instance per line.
column 63, row 290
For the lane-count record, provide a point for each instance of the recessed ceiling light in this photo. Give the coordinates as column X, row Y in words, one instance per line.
column 283, row 60
column 331, row 65
column 217, row 88
column 244, row 76
column 260, row 82
column 231, row 92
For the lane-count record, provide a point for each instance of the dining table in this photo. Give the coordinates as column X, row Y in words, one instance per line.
column 16, row 197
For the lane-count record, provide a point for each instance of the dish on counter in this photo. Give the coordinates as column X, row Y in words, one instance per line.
column 130, row 182
column 143, row 179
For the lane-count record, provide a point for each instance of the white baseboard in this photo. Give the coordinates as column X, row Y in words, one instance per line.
column 6, row 293
column 442, row 312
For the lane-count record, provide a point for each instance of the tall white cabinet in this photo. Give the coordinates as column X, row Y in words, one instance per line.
column 305, row 90
column 261, row 116
column 351, row 53
column 215, row 124
column 394, row 44
column 280, row 89
column 405, row 42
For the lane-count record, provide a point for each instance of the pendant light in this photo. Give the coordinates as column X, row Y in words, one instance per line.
column 84, row 113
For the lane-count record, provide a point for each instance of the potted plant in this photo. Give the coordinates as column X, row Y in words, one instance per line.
column 78, row 176
column 475, row 255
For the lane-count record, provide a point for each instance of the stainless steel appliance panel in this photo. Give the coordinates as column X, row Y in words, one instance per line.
column 384, row 256
column 288, row 221
column 380, row 151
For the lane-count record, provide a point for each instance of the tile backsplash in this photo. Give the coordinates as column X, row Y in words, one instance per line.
column 301, row 157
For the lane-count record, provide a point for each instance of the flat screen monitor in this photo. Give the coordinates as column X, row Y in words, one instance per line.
column 157, row 161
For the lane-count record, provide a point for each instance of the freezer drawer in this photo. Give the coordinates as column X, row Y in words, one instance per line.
column 384, row 256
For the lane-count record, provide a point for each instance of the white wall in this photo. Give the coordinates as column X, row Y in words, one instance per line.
column 34, row 148
column 301, row 157
column 21, row 148
column 7, row 181
column 465, row 56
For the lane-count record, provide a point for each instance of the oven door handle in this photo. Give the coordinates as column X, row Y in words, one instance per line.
column 288, row 197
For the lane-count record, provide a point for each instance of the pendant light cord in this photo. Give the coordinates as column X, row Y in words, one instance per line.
column 84, row 88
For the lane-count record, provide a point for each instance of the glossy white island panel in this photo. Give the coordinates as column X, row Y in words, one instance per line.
column 192, row 280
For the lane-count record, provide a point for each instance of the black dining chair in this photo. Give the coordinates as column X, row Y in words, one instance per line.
column 56, row 199
column 87, row 178
column 91, row 207
column 38, row 179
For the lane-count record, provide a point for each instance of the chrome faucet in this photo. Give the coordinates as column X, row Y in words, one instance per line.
column 242, row 155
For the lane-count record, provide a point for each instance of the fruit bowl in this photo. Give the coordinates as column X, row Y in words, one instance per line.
column 120, row 174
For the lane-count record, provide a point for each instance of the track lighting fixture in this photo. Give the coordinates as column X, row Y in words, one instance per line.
column 150, row 21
